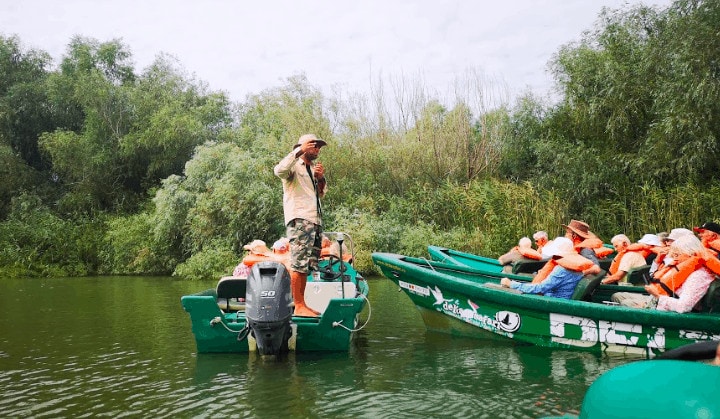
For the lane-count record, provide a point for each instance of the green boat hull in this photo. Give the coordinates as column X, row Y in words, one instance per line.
column 660, row 389
column 492, row 270
column 450, row 299
column 217, row 330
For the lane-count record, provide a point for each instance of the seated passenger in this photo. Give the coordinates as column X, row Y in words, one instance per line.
column 709, row 234
column 578, row 232
column 281, row 251
column 562, row 281
column 334, row 250
column 688, row 279
column 257, row 252
column 710, row 239
column 241, row 270
column 325, row 246
column 661, row 251
column 330, row 248
column 522, row 250
column 626, row 259
column 541, row 240
column 652, row 244
column 666, row 240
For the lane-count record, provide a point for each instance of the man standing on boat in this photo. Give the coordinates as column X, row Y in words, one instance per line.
column 304, row 184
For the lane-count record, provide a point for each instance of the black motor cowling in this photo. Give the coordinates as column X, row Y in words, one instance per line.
column 268, row 307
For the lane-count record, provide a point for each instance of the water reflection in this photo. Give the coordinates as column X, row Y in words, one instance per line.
column 123, row 346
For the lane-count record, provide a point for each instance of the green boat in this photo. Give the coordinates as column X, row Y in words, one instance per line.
column 464, row 301
column 524, row 269
column 658, row 389
column 255, row 313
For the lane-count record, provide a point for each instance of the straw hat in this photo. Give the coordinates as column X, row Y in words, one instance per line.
column 310, row 137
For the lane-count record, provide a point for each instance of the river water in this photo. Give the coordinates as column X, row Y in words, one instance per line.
column 122, row 346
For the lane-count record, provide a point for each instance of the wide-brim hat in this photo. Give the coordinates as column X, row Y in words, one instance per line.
column 580, row 228
column 310, row 137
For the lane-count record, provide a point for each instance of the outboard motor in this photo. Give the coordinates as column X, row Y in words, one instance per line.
column 268, row 307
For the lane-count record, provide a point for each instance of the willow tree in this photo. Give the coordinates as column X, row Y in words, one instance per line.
column 226, row 197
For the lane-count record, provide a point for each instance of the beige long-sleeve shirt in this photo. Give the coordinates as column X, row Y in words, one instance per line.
column 299, row 197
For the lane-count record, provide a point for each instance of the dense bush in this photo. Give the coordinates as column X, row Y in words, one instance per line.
column 150, row 173
column 36, row 242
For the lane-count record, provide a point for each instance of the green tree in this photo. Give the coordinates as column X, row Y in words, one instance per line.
column 172, row 115
column 135, row 130
column 24, row 113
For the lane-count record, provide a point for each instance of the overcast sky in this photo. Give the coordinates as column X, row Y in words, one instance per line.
column 244, row 47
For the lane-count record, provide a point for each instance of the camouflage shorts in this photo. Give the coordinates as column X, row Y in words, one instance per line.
column 305, row 240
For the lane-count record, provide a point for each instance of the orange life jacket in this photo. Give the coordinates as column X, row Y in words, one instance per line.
column 253, row 258
column 529, row 252
column 616, row 262
column 711, row 261
column 603, row 252
column 713, row 246
column 591, row 243
column 643, row 249
column 575, row 263
column 674, row 276
column 596, row 245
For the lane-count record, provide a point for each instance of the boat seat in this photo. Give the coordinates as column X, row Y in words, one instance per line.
column 710, row 303
column 528, row 266
column 587, row 286
column 231, row 287
column 636, row 275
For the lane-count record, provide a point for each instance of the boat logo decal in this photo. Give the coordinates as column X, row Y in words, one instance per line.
column 584, row 332
column 508, row 321
column 500, row 323
column 697, row 335
column 439, row 298
column 415, row 289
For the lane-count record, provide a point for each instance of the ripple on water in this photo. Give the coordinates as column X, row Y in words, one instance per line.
column 134, row 355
